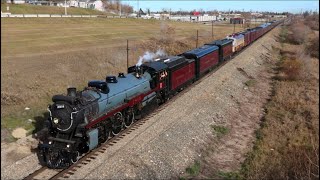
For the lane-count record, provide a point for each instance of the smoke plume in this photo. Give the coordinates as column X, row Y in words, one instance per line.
column 150, row 56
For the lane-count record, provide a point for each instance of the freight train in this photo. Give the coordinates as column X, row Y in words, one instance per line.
column 81, row 120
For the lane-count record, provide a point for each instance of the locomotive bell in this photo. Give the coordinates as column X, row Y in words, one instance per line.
column 138, row 72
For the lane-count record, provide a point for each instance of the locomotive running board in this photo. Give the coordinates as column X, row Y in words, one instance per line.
column 61, row 140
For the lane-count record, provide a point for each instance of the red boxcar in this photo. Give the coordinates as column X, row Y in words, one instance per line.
column 206, row 57
column 181, row 71
column 208, row 61
column 225, row 48
column 246, row 37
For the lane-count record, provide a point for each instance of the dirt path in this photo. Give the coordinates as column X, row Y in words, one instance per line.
column 175, row 137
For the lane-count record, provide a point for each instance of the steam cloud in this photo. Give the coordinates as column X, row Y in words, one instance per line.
column 150, row 56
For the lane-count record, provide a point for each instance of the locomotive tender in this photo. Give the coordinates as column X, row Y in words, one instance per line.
column 80, row 120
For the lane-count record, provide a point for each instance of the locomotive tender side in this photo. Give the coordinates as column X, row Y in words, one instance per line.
column 206, row 57
column 225, row 48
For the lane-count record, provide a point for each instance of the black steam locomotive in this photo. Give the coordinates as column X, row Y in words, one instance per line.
column 80, row 120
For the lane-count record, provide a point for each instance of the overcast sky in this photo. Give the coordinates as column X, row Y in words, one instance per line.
column 254, row 5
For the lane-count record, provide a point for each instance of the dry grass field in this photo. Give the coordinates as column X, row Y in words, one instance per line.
column 43, row 56
column 287, row 145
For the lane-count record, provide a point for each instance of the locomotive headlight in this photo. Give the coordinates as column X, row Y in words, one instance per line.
column 56, row 120
column 68, row 145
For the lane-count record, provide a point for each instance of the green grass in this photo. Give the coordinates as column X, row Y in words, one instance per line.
column 251, row 83
column 36, row 9
column 20, row 119
column 229, row 175
column 220, row 130
column 194, row 169
column 13, row 122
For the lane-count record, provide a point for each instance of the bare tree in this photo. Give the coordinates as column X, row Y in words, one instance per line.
column 247, row 18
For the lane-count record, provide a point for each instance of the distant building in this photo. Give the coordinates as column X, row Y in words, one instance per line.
column 196, row 13
column 16, row 1
column 156, row 16
column 95, row 4
column 73, row 3
column 257, row 14
column 83, row 3
column 236, row 21
column 133, row 15
column 228, row 16
column 164, row 16
column 277, row 16
column 91, row 4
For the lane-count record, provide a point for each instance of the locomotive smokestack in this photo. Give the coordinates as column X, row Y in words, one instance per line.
column 72, row 91
column 138, row 72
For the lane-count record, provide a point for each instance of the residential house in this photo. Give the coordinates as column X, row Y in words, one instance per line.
column 73, row 3
column 16, row 1
column 96, row 4
column 83, row 3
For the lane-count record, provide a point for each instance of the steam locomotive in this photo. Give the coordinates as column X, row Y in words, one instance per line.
column 80, row 120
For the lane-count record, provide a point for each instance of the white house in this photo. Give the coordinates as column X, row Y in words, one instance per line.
column 62, row 4
column 133, row 15
column 96, row 4
column 16, row 1
column 83, row 3
column 73, row 3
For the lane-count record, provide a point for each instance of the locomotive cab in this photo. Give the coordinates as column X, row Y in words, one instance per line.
column 159, row 77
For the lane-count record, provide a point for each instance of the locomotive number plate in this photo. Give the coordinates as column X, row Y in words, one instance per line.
column 60, row 106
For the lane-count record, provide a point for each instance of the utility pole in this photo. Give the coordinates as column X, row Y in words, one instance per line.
column 120, row 8
column 138, row 10
column 65, row 7
column 212, row 29
column 197, row 39
column 244, row 23
column 127, row 53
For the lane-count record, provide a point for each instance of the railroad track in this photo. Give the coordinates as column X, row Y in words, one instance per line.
column 46, row 173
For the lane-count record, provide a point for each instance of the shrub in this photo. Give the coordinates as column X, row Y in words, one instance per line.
column 194, row 169
column 167, row 32
column 220, row 130
column 313, row 21
column 291, row 68
column 298, row 35
column 250, row 83
column 313, row 47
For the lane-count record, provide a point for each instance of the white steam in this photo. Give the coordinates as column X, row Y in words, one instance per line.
column 150, row 56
